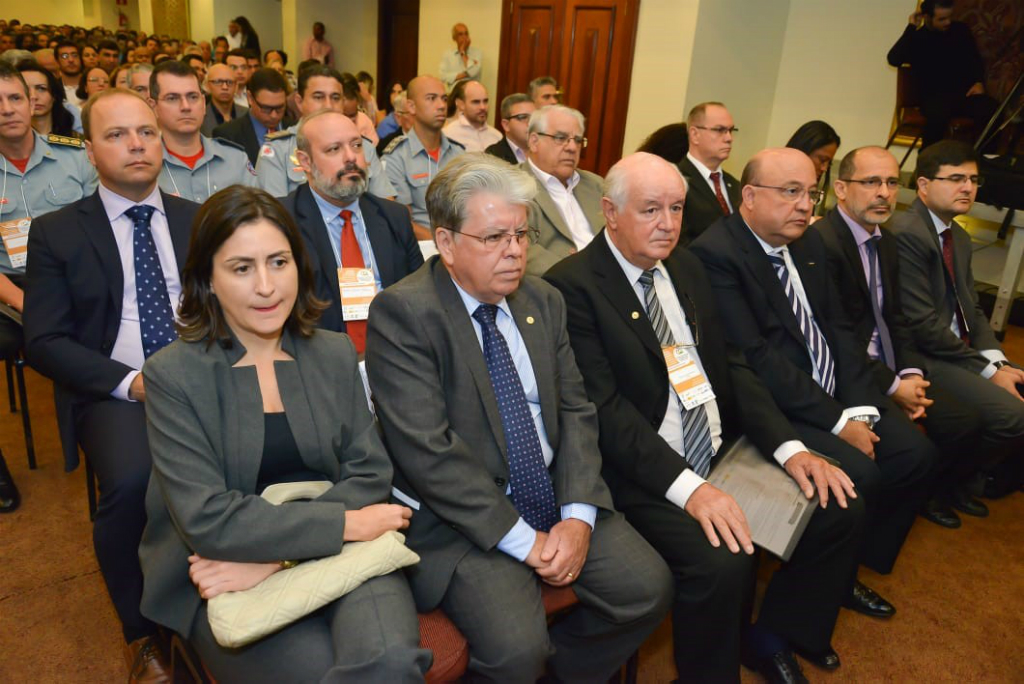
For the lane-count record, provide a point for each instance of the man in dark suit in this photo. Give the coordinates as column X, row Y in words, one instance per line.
column 780, row 307
column 267, row 93
column 495, row 447
column 938, row 296
column 102, row 285
column 864, row 264
column 515, row 121
column 345, row 227
column 713, row 193
column 657, row 452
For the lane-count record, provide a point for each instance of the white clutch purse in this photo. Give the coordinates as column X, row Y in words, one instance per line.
column 238, row 618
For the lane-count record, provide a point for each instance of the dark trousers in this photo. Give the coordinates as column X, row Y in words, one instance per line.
column 894, row 485
column 624, row 591
column 954, row 425
column 112, row 434
column 940, row 109
column 714, row 587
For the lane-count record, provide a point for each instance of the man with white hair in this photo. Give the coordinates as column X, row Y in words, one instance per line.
column 566, row 212
column 637, row 301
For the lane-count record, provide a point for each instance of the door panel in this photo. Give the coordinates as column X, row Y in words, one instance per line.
column 398, row 44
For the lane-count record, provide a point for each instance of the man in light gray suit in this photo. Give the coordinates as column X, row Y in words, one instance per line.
column 939, row 299
column 495, row 447
column 566, row 211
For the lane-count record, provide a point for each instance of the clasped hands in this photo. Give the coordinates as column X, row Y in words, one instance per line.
column 558, row 556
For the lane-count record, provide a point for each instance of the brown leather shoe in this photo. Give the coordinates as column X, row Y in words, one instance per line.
column 146, row 662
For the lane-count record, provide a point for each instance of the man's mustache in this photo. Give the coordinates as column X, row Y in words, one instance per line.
column 350, row 168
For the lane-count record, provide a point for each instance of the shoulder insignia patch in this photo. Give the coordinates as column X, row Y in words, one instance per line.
column 55, row 139
column 393, row 145
column 277, row 135
column 267, row 151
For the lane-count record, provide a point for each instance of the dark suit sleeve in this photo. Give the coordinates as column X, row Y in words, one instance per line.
column 51, row 328
column 413, row 408
column 399, row 217
column 929, row 332
column 902, row 52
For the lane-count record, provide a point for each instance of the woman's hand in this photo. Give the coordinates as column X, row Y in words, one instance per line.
column 372, row 521
column 216, row 577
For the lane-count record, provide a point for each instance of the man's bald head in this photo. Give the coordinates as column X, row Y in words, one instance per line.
column 421, row 83
column 637, row 168
column 771, row 158
column 779, row 188
column 427, row 103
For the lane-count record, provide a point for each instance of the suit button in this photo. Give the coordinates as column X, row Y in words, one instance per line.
column 499, row 481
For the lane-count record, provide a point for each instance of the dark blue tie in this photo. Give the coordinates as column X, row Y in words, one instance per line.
column 820, row 353
column 532, row 492
column 156, row 318
column 885, row 350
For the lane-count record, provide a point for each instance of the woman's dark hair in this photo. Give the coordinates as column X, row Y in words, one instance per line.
column 61, row 120
column 217, row 220
column 813, row 135
column 252, row 39
column 670, row 142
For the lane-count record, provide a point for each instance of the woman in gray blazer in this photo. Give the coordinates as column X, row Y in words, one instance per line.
column 252, row 395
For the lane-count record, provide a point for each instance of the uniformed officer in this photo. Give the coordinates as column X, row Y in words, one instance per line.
column 195, row 166
column 412, row 160
column 278, row 168
column 40, row 174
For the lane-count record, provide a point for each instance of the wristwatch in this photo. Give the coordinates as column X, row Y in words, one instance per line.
column 288, row 565
column 1000, row 364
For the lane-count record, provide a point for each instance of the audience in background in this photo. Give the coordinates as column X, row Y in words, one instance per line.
column 463, row 62
column 266, row 93
column 671, row 142
column 318, row 47
column 544, row 91
column 47, row 94
column 470, row 127
column 713, row 191
column 516, row 110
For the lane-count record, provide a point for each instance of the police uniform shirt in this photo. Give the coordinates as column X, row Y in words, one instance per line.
column 223, row 163
column 278, row 171
column 58, row 173
column 410, row 169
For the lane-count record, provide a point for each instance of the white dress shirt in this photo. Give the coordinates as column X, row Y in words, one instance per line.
column 472, row 138
column 568, row 206
column 128, row 345
column 516, row 150
column 671, row 429
column 706, row 173
column 452, row 65
column 993, row 355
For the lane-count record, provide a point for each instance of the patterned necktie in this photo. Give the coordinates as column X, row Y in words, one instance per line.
column 884, row 339
column 947, row 259
column 156, row 318
column 533, row 495
column 697, row 446
column 820, row 353
column 715, row 180
column 352, row 257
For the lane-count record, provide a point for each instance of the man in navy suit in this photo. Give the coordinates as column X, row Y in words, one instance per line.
column 348, row 230
column 92, row 264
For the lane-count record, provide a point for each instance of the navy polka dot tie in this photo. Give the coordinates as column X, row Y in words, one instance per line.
column 532, row 492
column 156, row 319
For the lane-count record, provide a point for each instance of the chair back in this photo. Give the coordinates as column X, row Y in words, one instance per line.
column 906, row 89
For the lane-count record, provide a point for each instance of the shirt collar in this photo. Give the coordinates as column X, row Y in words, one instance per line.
column 471, row 303
column 940, row 227
column 768, row 249
column 632, row 271
column 516, row 149
column 115, row 205
column 860, row 234
column 330, row 212
column 550, row 181
column 703, row 170
column 261, row 130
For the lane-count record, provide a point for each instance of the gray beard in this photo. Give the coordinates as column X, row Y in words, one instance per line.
column 337, row 190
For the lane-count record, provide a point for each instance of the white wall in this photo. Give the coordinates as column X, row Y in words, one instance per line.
column 56, row 12
column 483, row 17
column 661, row 67
column 352, row 32
column 201, row 20
column 838, row 76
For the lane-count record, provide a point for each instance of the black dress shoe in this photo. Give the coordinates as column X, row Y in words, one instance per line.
column 780, row 668
column 965, row 503
column 10, row 499
column 826, row 660
column 866, row 601
column 941, row 513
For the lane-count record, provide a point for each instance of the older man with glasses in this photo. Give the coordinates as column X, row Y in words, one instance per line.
column 221, row 106
column 713, row 192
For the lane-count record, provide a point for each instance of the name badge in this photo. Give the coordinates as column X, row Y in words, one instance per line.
column 358, row 288
column 687, row 380
column 15, row 237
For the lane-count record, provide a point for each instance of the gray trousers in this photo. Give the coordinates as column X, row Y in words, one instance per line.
column 1002, row 415
column 369, row 635
column 625, row 590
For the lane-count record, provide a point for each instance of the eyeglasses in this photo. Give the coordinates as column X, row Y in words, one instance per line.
column 874, row 182
column 68, row 55
column 521, row 118
column 144, row 89
column 222, row 82
column 503, row 240
column 793, row 193
column 960, row 179
column 97, row 79
column 719, row 130
column 270, row 110
column 562, row 139
column 174, row 99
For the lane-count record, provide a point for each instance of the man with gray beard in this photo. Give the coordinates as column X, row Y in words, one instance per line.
column 359, row 243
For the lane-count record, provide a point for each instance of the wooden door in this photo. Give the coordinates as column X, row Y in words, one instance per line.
column 398, row 44
column 587, row 45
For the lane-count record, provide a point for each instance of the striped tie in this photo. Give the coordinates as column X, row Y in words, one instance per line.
column 697, row 447
column 820, row 353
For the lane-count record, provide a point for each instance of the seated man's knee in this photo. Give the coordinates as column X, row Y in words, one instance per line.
column 523, row 657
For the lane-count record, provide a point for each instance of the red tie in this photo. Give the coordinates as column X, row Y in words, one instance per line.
column 947, row 258
column 352, row 257
column 715, row 175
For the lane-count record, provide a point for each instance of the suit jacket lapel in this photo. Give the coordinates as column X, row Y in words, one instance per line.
column 849, row 246
column 697, row 184
column 311, row 222
column 380, row 239
column 180, row 227
column 549, row 208
column 589, row 198
column 467, row 348
column 616, row 287
column 101, row 234
column 251, row 141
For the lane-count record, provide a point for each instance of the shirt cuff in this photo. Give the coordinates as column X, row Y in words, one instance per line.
column 992, row 355
column 580, row 511
column 684, row 487
column 518, row 541
column 121, row 391
column 856, row 411
column 787, row 450
column 893, row 387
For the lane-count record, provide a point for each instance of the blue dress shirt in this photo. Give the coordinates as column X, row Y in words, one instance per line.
column 332, row 219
